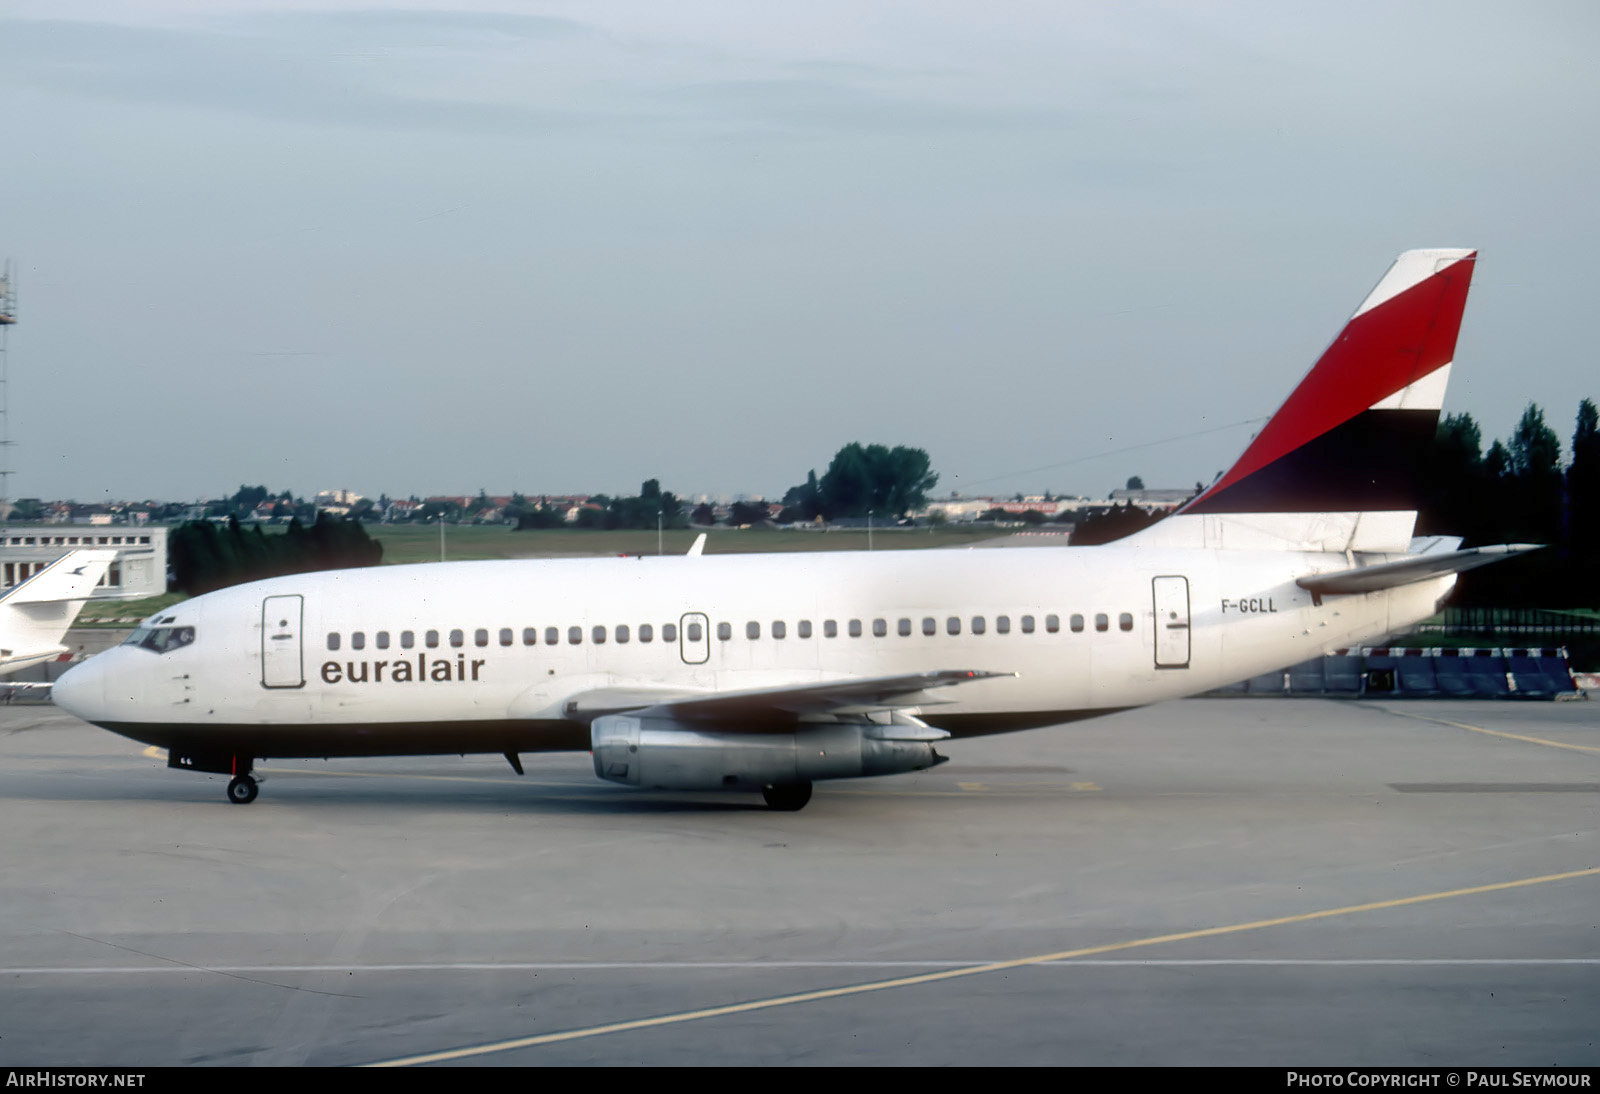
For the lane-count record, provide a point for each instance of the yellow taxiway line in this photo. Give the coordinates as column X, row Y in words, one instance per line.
column 1490, row 732
column 955, row 974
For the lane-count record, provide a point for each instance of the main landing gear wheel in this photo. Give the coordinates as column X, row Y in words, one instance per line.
column 788, row 797
column 242, row 790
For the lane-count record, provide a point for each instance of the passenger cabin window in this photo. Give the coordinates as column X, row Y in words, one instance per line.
column 669, row 632
column 1052, row 623
column 383, row 640
column 977, row 624
column 1027, row 624
column 530, row 636
column 830, row 628
column 1125, row 621
column 575, row 636
column 552, row 636
column 458, row 638
column 622, row 632
column 694, row 633
column 1002, row 624
column 407, row 639
column 599, row 635
column 724, row 631
column 1101, row 623
column 333, row 640
column 431, row 640
column 480, row 637
column 647, row 633
column 953, row 625
column 752, row 631
column 904, row 627
column 779, row 629
column 1077, row 623
column 930, row 625
column 855, row 628
column 804, row 628
column 505, row 636
column 358, row 640
column 880, row 627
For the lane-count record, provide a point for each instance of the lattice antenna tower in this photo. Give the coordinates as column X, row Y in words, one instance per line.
column 8, row 317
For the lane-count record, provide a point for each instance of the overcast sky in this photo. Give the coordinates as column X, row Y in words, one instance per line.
column 570, row 246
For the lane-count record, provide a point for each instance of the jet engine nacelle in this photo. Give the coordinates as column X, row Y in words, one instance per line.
column 671, row 755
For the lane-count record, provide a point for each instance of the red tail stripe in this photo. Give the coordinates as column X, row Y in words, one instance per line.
column 1377, row 354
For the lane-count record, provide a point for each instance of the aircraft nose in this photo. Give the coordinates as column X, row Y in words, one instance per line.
column 81, row 690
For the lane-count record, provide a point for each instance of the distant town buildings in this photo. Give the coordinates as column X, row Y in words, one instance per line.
column 962, row 509
column 336, row 503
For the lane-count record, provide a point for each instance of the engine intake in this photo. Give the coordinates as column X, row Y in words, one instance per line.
column 671, row 755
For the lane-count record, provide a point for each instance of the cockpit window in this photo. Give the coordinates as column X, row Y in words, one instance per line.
column 160, row 639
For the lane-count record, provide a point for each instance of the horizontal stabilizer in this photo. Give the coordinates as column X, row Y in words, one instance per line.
column 1408, row 571
column 73, row 576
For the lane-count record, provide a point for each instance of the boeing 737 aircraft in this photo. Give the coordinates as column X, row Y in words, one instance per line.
column 768, row 672
column 35, row 614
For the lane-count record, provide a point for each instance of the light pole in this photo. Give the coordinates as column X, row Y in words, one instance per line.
column 441, row 535
column 869, row 529
column 659, row 550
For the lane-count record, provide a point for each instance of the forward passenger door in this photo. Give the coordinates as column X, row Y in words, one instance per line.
column 281, row 660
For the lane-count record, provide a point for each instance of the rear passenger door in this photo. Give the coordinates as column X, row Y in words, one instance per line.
column 1171, row 595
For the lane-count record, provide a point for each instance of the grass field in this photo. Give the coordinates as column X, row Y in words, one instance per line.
column 408, row 543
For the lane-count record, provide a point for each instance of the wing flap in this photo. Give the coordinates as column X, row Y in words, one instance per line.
column 829, row 697
column 762, row 705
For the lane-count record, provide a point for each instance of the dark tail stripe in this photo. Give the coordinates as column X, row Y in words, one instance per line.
column 1367, row 464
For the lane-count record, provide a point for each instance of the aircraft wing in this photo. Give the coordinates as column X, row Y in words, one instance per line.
column 1407, row 571
column 758, row 706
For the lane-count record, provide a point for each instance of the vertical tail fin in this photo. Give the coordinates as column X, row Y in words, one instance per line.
column 1335, row 467
column 36, row 614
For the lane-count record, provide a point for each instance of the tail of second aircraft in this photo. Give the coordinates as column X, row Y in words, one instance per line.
column 35, row 615
column 1335, row 468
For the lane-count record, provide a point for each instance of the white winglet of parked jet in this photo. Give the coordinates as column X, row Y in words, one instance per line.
column 35, row 615
column 769, row 672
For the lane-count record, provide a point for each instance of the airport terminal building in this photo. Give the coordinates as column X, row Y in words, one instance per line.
column 139, row 570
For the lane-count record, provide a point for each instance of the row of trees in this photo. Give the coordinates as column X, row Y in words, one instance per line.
column 1519, row 492
column 204, row 556
column 861, row 479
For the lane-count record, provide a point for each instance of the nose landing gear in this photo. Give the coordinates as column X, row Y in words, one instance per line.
column 242, row 789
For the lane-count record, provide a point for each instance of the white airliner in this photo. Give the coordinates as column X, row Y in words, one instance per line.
column 35, row 614
column 768, row 672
